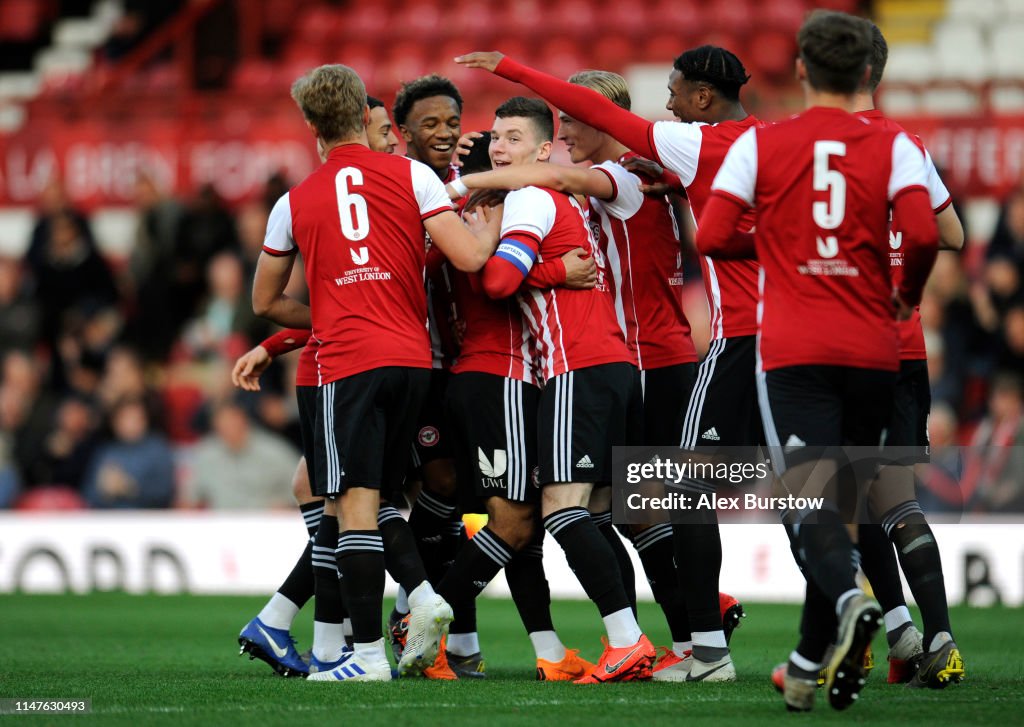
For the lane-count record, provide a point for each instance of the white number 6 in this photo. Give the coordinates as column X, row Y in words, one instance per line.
column 355, row 221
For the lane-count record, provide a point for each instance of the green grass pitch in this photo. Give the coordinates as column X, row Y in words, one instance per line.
column 156, row 660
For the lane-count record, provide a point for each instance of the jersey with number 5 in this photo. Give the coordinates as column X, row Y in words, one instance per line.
column 358, row 222
column 821, row 184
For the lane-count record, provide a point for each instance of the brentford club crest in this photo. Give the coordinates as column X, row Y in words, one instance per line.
column 429, row 436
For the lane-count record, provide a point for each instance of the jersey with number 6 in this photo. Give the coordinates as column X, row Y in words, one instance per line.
column 358, row 221
column 821, row 184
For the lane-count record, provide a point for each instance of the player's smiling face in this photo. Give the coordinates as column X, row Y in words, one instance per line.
column 379, row 131
column 681, row 98
column 431, row 129
column 515, row 141
column 581, row 140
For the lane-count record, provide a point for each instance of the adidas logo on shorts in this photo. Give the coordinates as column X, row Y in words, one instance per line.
column 711, row 435
column 585, row 462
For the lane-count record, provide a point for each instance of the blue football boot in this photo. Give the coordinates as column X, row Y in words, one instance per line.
column 274, row 646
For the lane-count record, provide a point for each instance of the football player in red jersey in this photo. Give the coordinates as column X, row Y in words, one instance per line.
column 359, row 221
column 331, row 624
column 821, row 185
column 428, row 111
column 704, row 87
column 893, row 500
column 590, row 398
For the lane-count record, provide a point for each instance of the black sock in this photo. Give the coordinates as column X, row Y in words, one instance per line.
column 698, row 558
column 361, row 562
column 299, row 586
column 590, row 556
column 311, row 514
column 919, row 556
column 828, row 554
column 878, row 561
column 430, row 520
column 328, row 606
column 818, row 624
column 478, row 562
column 451, row 547
column 656, row 551
column 603, row 521
column 529, row 586
column 400, row 552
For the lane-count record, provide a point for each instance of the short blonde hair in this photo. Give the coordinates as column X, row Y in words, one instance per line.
column 608, row 84
column 332, row 99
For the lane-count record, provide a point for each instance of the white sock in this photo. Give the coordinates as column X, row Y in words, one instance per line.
column 402, row 601
column 846, row 597
column 896, row 618
column 421, row 594
column 463, row 644
column 939, row 639
column 710, row 638
column 328, row 641
column 547, row 646
column 803, row 662
column 371, row 652
column 679, row 648
column 279, row 612
column 622, row 628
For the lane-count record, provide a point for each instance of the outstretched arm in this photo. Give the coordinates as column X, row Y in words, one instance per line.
column 581, row 103
column 573, row 180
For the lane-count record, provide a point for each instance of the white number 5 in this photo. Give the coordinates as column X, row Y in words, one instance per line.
column 829, row 215
column 355, row 221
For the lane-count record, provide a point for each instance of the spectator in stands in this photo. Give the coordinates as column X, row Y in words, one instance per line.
column 1008, row 239
column 135, row 468
column 207, row 228
column 941, row 491
column 140, row 18
column 54, row 203
column 19, row 311
column 227, row 311
column 152, row 256
column 30, row 409
column 995, row 458
column 70, row 276
column 241, row 467
column 1011, row 351
column 10, row 414
column 125, row 378
column 69, row 449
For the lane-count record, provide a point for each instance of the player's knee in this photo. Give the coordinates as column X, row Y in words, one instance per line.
column 439, row 477
column 513, row 524
column 301, row 489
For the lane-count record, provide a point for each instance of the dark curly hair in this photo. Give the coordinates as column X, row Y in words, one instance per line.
column 715, row 66
column 421, row 88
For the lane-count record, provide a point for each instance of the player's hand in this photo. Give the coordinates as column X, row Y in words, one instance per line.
column 650, row 169
column 465, row 145
column 903, row 311
column 246, row 373
column 485, row 198
column 580, row 269
column 487, row 60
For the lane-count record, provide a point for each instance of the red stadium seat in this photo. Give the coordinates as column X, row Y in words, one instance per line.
column 664, row 48
column 317, row 25
column 49, row 498
column 735, row 16
column 524, row 19
column 785, row 15
column 418, row 20
column 472, row 23
column 630, row 20
column 254, row 76
column 771, row 54
column 22, row 20
column 613, row 53
column 369, row 22
column 573, row 17
column 684, row 16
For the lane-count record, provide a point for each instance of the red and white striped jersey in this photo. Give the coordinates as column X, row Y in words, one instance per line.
column 822, row 184
column 695, row 152
column 912, row 346
column 571, row 329
column 638, row 237
column 358, row 220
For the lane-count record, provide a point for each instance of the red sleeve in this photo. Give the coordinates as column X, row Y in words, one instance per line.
column 550, row 274
column 501, row 278
column 435, row 259
column 912, row 211
column 717, row 235
column 290, row 339
column 586, row 106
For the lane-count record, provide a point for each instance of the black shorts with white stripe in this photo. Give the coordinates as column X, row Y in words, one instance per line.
column 305, row 398
column 807, row 409
column 363, row 427
column 723, row 408
column 432, row 440
column 493, row 423
column 583, row 414
column 666, row 392
column 908, row 428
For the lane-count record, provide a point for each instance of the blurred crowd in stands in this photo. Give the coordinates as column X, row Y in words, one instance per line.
column 115, row 388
